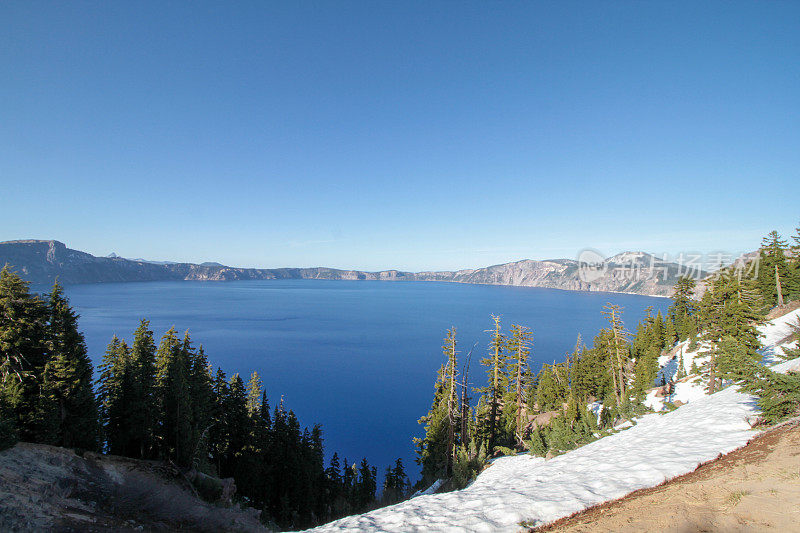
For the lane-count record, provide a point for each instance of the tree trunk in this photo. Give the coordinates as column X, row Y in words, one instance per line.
column 778, row 286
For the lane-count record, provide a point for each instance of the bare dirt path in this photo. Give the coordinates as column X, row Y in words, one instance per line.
column 753, row 489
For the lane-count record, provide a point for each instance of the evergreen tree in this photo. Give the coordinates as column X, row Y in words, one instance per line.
column 682, row 312
column 434, row 451
column 728, row 309
column 793, row 271
column 366, row 486
column 681, row 368
column 538, row 446
column 238, row 421
column 219, row 431
column 23, row 354
column 645, row 348
column 201, row 395
column 114, row 392
column 141, row 398
column 337, row 495
column 773, row 270
column 68, row 405
column 253, row 395
column 519, row 347
column 589, row 378
column 173, row 393
column 395, row 484
column 8, row 428
column 495, row 365
column 549, row 391
column 617, row 351
column 453, row 412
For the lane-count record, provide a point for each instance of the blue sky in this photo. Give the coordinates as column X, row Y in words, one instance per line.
column 408, row 134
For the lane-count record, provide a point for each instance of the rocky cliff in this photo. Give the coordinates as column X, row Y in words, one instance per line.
column 41, row 261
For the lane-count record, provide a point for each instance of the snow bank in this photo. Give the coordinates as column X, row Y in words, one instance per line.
column 525, row 488
column 529, row 489
column 775, row 332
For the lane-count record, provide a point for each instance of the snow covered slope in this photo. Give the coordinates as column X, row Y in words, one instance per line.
column 528, row 489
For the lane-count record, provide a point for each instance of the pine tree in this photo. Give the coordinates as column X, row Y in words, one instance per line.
column 617, row 351
column 173, row 392
column 141, row 399
column 453, row 412
column 238, row 420
column 201, row 396
column 538, row 446
column 588, row 377
column 681, row 368
column 551, row 387
column 434, row 451
column 8, row 428
column 365, row 486
column 219, row 431
column 793, row 271
column 114, row 392
column 682, row 312
column 728, row 309
column 773, row 270
column 336, row 489
column 67, row 401
column 495, row 365
column 670, row 333
column 645, row 349
column 253, row 395
column 519, row 346
column 395, row 484
column 23, row 354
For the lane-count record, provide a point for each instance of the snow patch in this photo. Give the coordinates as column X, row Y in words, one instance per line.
column 524, row 488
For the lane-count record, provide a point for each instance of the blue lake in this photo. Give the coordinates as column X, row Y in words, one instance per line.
column 359, row 357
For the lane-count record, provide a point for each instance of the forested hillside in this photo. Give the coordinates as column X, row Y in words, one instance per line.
column 162, row 401
column 605, row 383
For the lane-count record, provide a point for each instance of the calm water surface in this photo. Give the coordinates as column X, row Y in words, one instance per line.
column 359, row 357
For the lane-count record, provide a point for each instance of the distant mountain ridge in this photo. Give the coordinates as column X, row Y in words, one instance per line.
column 42, row 261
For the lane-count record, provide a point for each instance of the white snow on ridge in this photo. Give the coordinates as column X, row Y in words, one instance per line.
column 776, row 331
column 525, row 488
column 528, row 489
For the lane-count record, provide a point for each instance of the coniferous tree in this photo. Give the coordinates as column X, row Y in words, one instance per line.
column 682, row 312
column 68, row 404
column 645, row 348
column 793, row 271
column 219, row 431
column 114, row 392
column 617, row 351
column 337, row 495
column 728, row 309
column 366, row 486
column 142, row 402
column 773, row 270
column 519, row 347
column 453, row 412
column 434, row 451
column 23, row 353
column 238, row 421
column 395, row 484
column 681, row 368
column 495, row 365
column 174, row 395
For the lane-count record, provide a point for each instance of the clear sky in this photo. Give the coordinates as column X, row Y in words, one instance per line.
column 401, row 134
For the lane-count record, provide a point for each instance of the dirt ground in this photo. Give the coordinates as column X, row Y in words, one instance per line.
column 45, row 488
column 753, row 489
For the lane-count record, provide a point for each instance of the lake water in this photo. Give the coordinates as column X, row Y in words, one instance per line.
column 359, row 357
